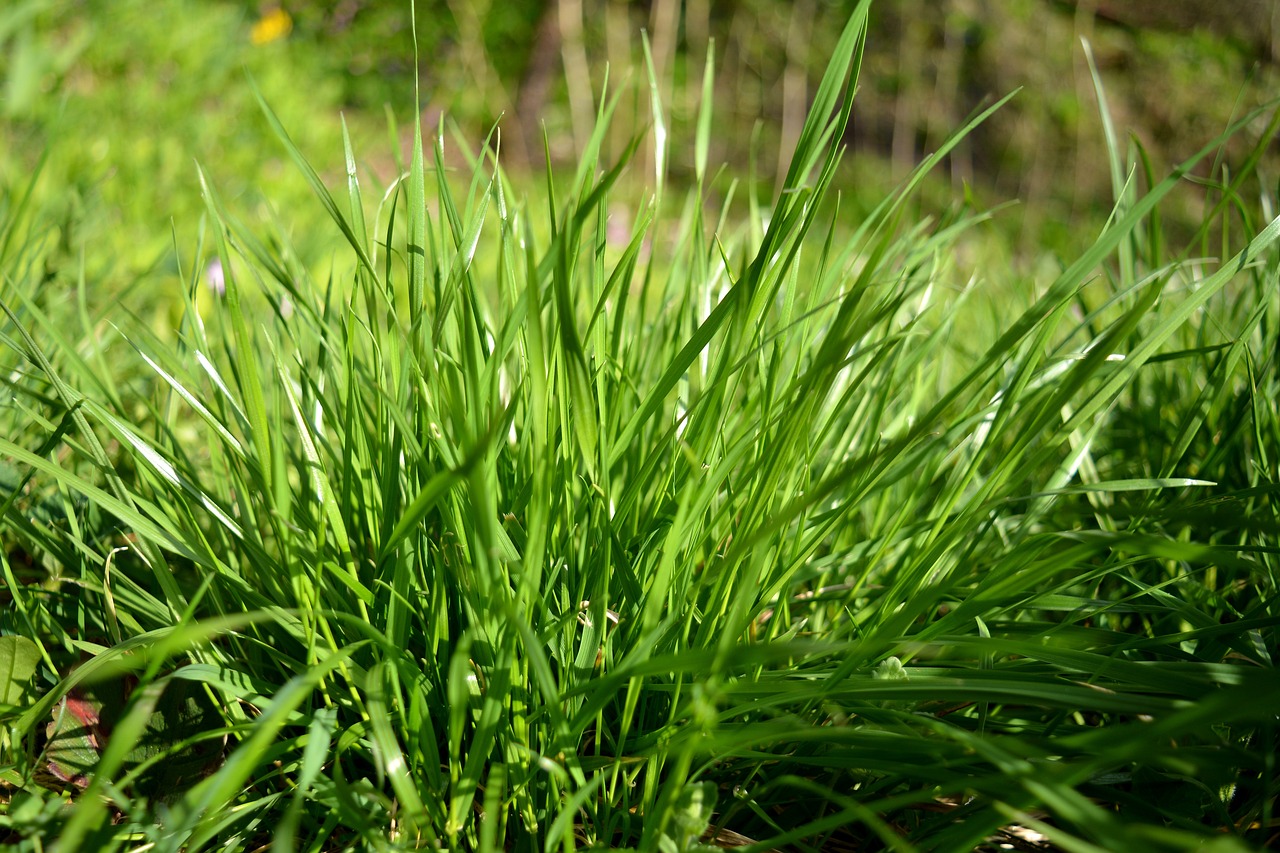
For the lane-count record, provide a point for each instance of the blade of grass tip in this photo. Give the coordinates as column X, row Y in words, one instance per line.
column 623, row 271
column 585, row 210
column 1247, row 169
column 447, row 205
column 390, row 198
column 190, row 399
column 435, row 490
column 393, row 139
column 589, row 156
column 702, row 139
column 164, row 468
column 389, row 291
column 423, row 350
column 247, row 372
column 490, row 148
column 1154, row 248
column 891, row 211
column 1069, row 280
column 467, row 241
column 312, row 178
column 211, row 370
column 1175, row 318
column 818, row 127
column 585, row 408
column 552, row 205
column 353, row 194
column 659, row 123
column 841, row 73
column 755, row 218
column 1121, row 186
column 191, row 326
column 1135, row 485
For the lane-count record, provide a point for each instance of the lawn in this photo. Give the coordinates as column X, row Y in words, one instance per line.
column 588, row 510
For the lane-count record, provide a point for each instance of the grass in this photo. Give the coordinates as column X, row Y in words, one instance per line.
column 115, row 105
column 759, row 530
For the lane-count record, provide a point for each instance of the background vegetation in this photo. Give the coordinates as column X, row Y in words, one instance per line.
column 123, row 97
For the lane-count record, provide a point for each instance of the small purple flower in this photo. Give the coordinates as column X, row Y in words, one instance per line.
column 214, row 279
column 617, row 231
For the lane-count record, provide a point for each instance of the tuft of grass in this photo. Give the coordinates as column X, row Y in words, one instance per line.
column 516, row 534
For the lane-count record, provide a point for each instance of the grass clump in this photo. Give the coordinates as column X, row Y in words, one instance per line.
column 518, row 535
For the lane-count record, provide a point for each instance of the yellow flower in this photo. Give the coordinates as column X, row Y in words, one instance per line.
column 274, row 24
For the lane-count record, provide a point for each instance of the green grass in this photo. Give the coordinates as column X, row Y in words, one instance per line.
column 768, row 529
column 116, row 105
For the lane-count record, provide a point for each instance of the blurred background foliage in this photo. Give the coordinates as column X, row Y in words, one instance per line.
column 123, row 98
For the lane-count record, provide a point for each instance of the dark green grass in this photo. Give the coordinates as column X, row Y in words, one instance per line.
column 510, row 536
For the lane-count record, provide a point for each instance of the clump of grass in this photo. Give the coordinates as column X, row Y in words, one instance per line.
column 516, row 537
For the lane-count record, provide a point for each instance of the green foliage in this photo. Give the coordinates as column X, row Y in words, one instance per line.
column 120, row 104
column 517, row 530
column 19, row 658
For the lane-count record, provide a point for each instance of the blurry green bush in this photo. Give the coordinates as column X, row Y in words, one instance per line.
column 126, row 94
